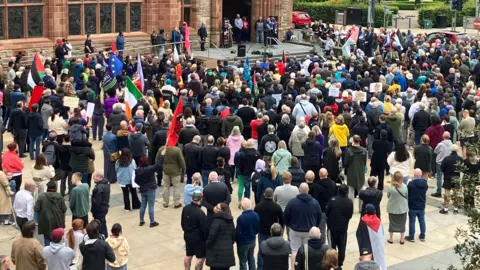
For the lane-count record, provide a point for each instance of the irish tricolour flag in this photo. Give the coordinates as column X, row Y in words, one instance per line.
column 37, row 72
column 132, row 95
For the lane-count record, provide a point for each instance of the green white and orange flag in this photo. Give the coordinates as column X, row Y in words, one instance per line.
column 37, row 72
column 132, row 95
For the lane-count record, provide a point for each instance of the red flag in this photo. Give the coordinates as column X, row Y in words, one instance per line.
column 113, row 46
column 284, row 57
column 175, row 126
column 37, row 94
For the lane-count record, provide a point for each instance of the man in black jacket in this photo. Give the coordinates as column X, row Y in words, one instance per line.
column 420, row 123
column 450, row 170
column 298, row 175
column 213, row 194
column 382, row 125
column 322, row 191
column 372, row 121
column 100, row 200
column 192, row 153
column 187, row 132
column 274, row 251
column 209, row 159
column 361, row 129
column 339, row 212
column 316, row 250
column 19, row 125
column 246, row 165
column 269, row 213
column 194, row 225
column 35, row 131
column 371, row 195
column 65, row 169
column 159, row 140
column 247, row 114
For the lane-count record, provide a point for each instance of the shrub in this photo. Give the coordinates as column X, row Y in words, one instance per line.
column 431, row 12
column 325, row 11
column 410, row 5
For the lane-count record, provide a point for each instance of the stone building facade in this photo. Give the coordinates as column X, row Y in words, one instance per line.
column 33, row 25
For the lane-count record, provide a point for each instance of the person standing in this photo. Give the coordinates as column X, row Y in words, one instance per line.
column 23, row 205
column 248, row 224
column 302, row 213
column 443, row 149
column 100, row 200
column 81, row 152
column 79, row 198
column 74, row 237
column 11, row 162
column 120, row 247
column 173, row 165
column 274, row 251
column 35, row 131
column 397, row 207
column 269, row 213
column 315, row 253
column 221, row 238
column 27, row 252
column 138, row 143
column 5, row 203
column 209, row 159
column 259, row 30
column 176, row 39
column 19, row 125
column 46, row 112
column 51, row 210
column 366, row 259
column 381, row 150
column 88, row 45
column 435, row 133
column 450, row 170
column 284, row 193
column 355, row 162
column 192, row 152
column 370, row 235
column 95, row 250
column 120, row 44
column 238, row 28
column 41, row 174
column 420, row 123
column 110, row 154
column 400, row 161
column 246, row 166
column 339, row 211
column 202, row 33
column 467, row 130
column 371, row 195
column 57, row 255
column 215, row 193
column 423, row 154
column 125, row 166
column 145, row 178
column 417, row 190
column 194, row 225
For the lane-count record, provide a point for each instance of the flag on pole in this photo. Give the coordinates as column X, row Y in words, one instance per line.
column 352, row 40
column 37, row 94
column 254, row 87
column 284, row 58
column 109, row 81
column 246, row 71
column 37, row 72
column 176, row 57
column 175, row 126
column 132, row 95
column 187, row 38
column 140, row 72
column 178, row 75
column 115, row 64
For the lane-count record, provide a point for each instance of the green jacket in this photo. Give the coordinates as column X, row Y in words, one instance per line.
column 79, row 200
column 173, row 162
column 281, row 158
column 355, row 161
column 396, row 124
column 51, row 210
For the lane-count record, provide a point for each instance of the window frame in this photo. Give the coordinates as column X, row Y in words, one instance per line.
column 183, row 6
column 25, row 5
column 98, row 4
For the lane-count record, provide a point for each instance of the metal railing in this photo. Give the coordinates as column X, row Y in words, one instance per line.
column 278, row 42
column 218, row 49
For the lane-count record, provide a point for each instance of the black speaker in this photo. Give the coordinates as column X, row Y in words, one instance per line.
column 354, row 16
column 241, row 50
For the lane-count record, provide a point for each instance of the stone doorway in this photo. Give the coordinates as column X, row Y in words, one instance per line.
column 230, row 9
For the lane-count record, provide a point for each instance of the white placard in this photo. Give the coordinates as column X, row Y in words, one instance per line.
column 359, row 96
column 90, row 107
column 376, row 87
column 333, row 91
column 71, row 102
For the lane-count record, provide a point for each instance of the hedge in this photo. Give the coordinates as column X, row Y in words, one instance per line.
column 410, row 5
column 325, row 11
column 431, row 12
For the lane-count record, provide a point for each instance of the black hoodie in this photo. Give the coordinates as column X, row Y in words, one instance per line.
column 316, row 250
column 275, row 252
column 81, row 151
column 248, row 159
column 95, row 252
column 323, row 190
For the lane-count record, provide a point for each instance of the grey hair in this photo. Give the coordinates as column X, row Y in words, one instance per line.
column 314, row 233
column 285, row 119
column 99, row 173
column 276, row 229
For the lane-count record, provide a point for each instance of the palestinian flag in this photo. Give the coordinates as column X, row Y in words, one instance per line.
column 37, row 72
column 254, row 90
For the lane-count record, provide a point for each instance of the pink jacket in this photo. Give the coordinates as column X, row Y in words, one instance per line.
column 234, row 143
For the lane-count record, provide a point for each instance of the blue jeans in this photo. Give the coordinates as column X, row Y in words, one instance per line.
column 439, row 176
column 147, row 197
column 418, row 137
column 247, row 182
column 412, row 215
column 261, row 238
column 205, row 174
column 245, row 254
column 35, row 143
column 259, row 36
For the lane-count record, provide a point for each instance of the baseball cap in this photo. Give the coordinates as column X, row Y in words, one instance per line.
column 57, row 234
column 370, row 209
column 197, row 195
column 365, row 251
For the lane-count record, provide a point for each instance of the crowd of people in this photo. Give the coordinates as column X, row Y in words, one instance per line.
column 297, row 132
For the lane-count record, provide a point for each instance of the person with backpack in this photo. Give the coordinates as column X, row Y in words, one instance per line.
column 77, row 132
column 80, row 152
column 51, row 150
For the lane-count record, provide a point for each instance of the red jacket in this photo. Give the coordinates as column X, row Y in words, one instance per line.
column 281, row 68
column 12, row 163
column 435, row 133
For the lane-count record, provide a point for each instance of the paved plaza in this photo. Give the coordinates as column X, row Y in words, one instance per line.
column 162, row 247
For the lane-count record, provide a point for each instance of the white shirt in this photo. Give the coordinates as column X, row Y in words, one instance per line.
column 23, row 204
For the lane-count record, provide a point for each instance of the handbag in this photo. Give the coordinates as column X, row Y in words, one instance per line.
column 114, row 156
column 305, row 249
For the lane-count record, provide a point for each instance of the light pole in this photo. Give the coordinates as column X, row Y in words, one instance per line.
column 385, row 12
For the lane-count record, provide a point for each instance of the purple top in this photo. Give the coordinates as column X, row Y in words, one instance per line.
column 108, row 105
column 320, row 139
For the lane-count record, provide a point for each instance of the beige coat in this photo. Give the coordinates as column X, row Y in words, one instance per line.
column 5, row 193
column 27, row 254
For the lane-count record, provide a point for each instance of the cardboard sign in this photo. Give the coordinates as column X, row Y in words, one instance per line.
column 71, row 102
column 376, row 87
column 90, row 108
column 359, row 96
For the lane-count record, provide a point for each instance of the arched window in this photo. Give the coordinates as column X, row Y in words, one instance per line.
column 103, row 16
column 21, row 19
